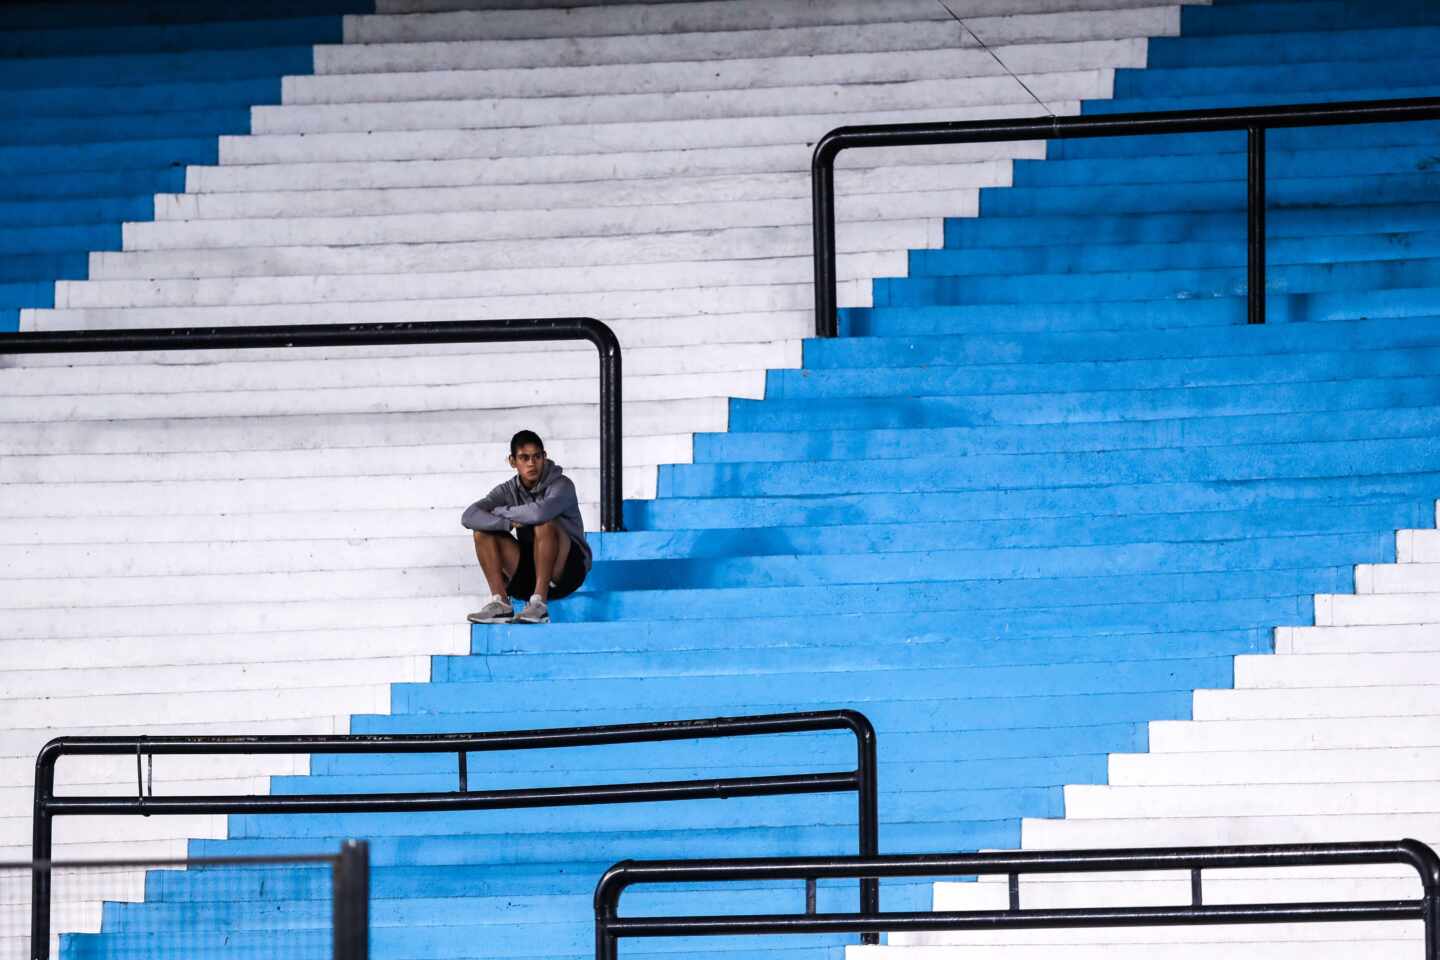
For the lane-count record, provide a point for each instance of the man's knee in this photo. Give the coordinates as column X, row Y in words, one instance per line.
column 546, row 531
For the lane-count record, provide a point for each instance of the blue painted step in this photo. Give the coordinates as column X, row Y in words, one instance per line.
column 1249, row 48
column 181, row 38
column 168, row 125
column 140, row 99
column 34, row 15
column 86, row 210
column 1324, row 78
column 167, row 178
column 110, row 156
column 124, row 70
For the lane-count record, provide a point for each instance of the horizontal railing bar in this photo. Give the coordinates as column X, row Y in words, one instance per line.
column 1128, row 124
column 473, row 800
column 1321, row 912
column 1409, row 852
column 536, row 739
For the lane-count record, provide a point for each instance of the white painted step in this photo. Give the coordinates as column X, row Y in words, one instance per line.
column 1207, row 831
column 233, row 706
column 648, row 191
column 743, row 72
column 29, row 685
column 25, row 744
column 1399, row 700
column 258, row 588
column 518, row 224
column 262, row 647
column 680, row 316
column 444, row 492
column 1418, row 546
column 1255, row 767
column 1336, row 670
column 1100, row 802
column 1166, row 888
column 716, row 274
column 632, row 162
column 221, row 556
column 1417, row 637
column 1399, row 936
column 1411, row 577
column 566, row 424
column 281, row 402
column 433, row 144
column 1342, row 610
column 727, row 105
column 1320, row 733
column 571, row 252
column 179, row 619
column 461, row 365
column 1097, row 23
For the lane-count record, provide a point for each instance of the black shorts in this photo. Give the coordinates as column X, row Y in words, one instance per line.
column 522, row 582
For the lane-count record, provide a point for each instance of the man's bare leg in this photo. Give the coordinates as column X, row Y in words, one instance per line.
column 499, row 555
column 552, row 549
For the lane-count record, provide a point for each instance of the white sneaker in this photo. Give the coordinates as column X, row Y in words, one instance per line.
column 535, row 612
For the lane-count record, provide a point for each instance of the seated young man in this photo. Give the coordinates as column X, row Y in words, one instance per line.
column 529, row 537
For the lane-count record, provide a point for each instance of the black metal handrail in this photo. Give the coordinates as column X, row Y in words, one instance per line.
column 376, row 334
column 610, row 927
column 1254, row 120
column 349, row 885
column 861, row 780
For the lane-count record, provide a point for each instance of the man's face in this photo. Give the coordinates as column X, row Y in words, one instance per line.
column 528, row 462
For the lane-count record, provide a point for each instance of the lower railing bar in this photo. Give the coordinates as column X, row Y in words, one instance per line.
column 719, row 926
column 475, row 800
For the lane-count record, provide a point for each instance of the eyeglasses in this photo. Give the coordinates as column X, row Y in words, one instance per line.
column 529, row 457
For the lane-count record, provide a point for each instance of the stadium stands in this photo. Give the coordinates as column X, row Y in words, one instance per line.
column 1045, row 489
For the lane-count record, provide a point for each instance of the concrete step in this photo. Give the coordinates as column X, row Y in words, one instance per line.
column 1356, row 277
column 211, row 706
column 1087, row 802
column 246, row 370
column 1253, row 768
column 263, row 647
column 556, row 252
column 1335, row 670
column 1222, row 831
column 1047, row 438
column 938, row 412
column 1243, row 462
column 442, row 143
column 1377, row 700
column 362, row 461
column 223, row 498
column 29, row 685
column 746, row 71
column 1341, row 610
column 1297, row 733
column 1418, row 546
column 1397, row 578
column 471, row 226
column 1390, row 638
column 1159, row 372
column 807, row 99
column 562, row 425
column 634, row 280
column 1107, row 20
column 370, row 399
column 1060, row 346
column 375, row 201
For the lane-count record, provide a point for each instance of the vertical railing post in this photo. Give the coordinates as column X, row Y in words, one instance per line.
column 612, row 458
column 351, row 892
column 42, row 852
column 868, row 791
column 822, row 193
column 1255, row 225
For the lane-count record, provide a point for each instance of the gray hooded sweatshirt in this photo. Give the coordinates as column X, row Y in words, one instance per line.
column 552, row 499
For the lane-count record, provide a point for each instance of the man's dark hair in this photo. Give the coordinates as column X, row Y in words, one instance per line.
column 523, row 439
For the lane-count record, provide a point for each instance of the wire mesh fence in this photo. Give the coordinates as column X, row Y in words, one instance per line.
column 290, row 908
